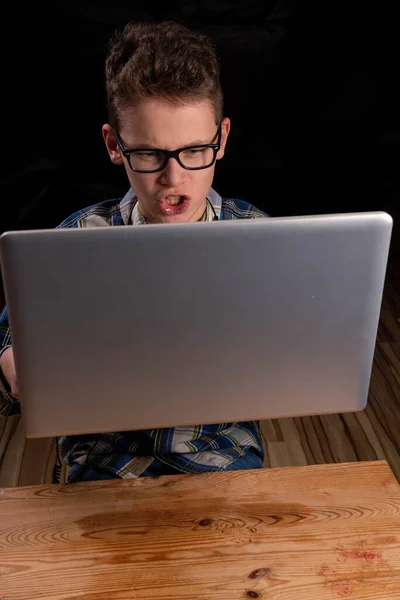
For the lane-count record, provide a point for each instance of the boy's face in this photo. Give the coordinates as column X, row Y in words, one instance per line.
column 161, row 125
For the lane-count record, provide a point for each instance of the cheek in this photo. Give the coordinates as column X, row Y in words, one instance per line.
column 142, row 184
column 205, row 179
column 199, row 185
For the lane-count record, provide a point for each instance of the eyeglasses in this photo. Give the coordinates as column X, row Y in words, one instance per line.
column 151, row 160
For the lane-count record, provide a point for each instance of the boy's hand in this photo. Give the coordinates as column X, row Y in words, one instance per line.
column 7, row 365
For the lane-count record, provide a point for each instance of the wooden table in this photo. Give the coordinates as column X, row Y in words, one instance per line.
column 315, row 533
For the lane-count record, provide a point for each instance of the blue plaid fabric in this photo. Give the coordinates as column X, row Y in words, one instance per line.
column 157, row 451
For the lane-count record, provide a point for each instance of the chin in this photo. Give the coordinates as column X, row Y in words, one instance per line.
column 183, row 218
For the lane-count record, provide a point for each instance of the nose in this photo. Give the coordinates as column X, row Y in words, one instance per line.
column 173, row 175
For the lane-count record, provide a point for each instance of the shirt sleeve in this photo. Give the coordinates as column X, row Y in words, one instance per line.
column 5, row 334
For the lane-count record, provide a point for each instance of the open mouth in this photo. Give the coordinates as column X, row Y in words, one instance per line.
column 175, row 200
column 174, row 205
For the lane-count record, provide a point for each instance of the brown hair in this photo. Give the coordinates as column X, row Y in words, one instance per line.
column 161, row 60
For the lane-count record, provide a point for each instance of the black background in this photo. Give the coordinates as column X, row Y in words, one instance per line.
column 312, row 89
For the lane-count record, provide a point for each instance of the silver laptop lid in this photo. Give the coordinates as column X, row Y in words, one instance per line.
column 170, row 325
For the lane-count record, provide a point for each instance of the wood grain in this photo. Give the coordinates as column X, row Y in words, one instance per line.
column 317, row 532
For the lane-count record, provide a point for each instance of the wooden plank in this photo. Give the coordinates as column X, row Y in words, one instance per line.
column 390, row 325
column 393, row 361
column 34, row 461
column 304, row 441
column 339, row 443
column 50, row 462
column 323, row 443
column 387, row 331
column 385, row 375
column 13, row 455
column 268, row 430
column 384, row 397
column 23, row 461
column 8, row 427
column 387, row 419
column 293, row 442
column 387, row 445
column 371, row 435
column 279, row 434
column 358, row 438
column 318, row 532
column 279, row 455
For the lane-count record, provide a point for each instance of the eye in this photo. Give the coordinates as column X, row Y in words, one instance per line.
column 195, row 151
column 147, row 154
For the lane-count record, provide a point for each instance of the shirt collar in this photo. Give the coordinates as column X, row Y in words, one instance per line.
column 131, row 215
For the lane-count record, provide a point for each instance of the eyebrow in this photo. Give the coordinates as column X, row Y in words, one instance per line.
column 154, row 147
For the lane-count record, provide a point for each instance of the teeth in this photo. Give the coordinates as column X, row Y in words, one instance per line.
column 173, row 199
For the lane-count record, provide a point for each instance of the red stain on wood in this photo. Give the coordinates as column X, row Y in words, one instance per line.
column 342, row 588
column 371, row 559
column 324, row 570
column 358, row 552
column 338, row 587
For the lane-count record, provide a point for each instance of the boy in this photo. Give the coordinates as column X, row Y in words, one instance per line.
column 166, row 128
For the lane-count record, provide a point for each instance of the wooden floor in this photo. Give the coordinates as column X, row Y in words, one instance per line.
column 368, row 435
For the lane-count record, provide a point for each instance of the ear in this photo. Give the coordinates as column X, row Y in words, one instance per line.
column 225, row 129
column 111, row 145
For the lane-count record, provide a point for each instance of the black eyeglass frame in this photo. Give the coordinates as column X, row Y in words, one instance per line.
column 169, row 153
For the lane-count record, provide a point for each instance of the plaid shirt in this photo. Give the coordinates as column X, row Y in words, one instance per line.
column 185, row 449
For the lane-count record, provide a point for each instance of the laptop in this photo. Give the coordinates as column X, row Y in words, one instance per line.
column 128, row 328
